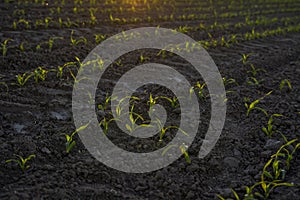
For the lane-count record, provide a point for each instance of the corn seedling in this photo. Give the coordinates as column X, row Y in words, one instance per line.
column 163, row 130
column 253, row 81
column 40, row 74
column 269, row 131
column 132, row 126
column 105, row 123
column 174, row 101
column 228, row 81
column 183, row 150
column 200, row 87
column 60, row 69
column 70, row 143
column 143, row 58
column 119, row 107
column 283, row 83
column 23, row 78
column 103, row 106
column 253, row 106
column 99, row 38
column 152, row 101
column 76, row 81
column 76, row 42
column 245, row 58
column 273, row 173
column 4, row 46
column 254, row 70
column 50, row 42
column 22, row 162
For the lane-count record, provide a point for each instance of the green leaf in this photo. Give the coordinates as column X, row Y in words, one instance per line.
column 235, row 195
column 67, row 137
column 220, row 197
column 268, row 174
column 69, row 147
column 265, row 130
column 128, row 127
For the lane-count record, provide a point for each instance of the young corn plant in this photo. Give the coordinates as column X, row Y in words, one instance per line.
column 273, row 174
column 163, row 130
column 253, row 81
column 105, row 123
column 254, row 70
column 60, row 69
column 49, row 43
column 245, row 58
column 22, row 162
column 183, row 150
column 99, row 38
column 201, row 90
column 4, row 46
column 133, row 126
column 252, row 105
column 104, row 106
column 40, row 74
column 283, row 83
column 120, row 107
column 269, row 130
column 174, row 101
column 23, row 78
column 75, row 42
column 70, row 143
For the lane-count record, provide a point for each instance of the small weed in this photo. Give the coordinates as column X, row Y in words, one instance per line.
column 4, row 46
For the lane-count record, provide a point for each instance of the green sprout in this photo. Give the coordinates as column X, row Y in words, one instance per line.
column 40, row 74
column 70, row 143
column 253, row 106
column 104, row 123
column 60, row 69
column 76, row 42
column 200, row 87
column 269, row 131
column 23, row 78
column 119, row 107
column 283, row 83
column 273, row 173
column 163, row 130
column 103, row 106
column 245, row 58
column 174, row 101
column 253, row 81
column 183, row 150
column 50, row 43
column 132, row 127
column 99, row 38
column 22, row 162
column 4, row 47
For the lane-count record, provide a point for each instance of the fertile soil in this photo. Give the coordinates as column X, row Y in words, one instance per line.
column 34, row 118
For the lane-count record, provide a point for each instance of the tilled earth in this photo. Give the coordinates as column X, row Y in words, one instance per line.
column 34, row 119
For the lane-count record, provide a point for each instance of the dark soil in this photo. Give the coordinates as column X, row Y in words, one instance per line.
column 35, row 117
